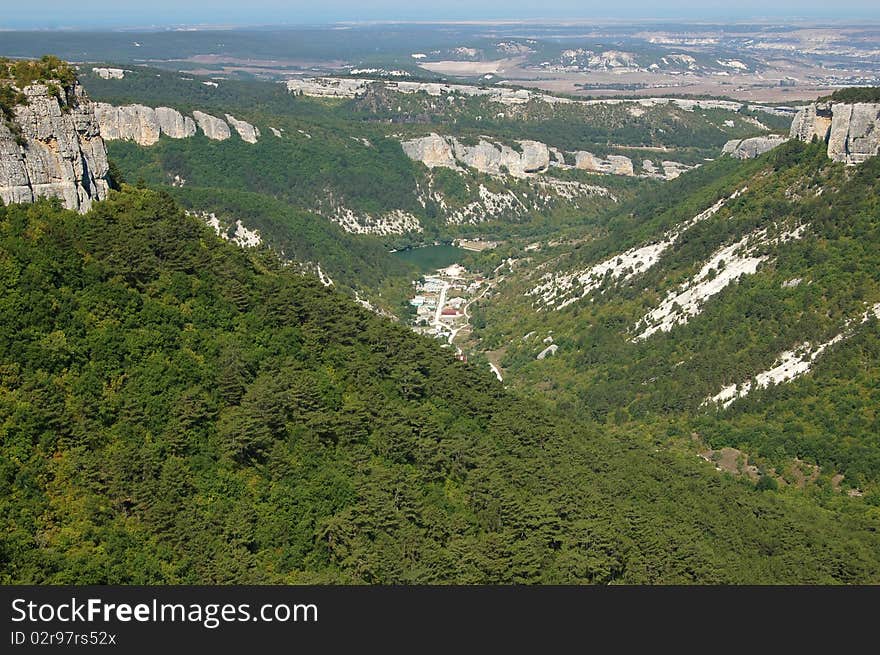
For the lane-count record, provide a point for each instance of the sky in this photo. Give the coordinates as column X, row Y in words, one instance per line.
column 118, row 13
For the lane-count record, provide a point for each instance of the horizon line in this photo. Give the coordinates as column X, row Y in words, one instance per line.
column 573, row 20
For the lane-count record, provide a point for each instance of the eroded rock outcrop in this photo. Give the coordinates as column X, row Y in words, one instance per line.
column 855, row 132
column 852, row 130
column 613, row 164
column 174, row 124
column 485, row 156
column 110, row 73
column 432, row 150
column 128, row 123
column 496, row 159
column 59, row 152
column 528, row 159
column 245, row 130
column 213, row 127
column 143, row 125
column 812, row 120
column 751, row 148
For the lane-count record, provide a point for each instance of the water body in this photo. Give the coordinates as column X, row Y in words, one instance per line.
column 430, row 258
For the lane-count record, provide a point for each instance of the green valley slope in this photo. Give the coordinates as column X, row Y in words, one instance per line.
column 176, row 409
column 736, row 307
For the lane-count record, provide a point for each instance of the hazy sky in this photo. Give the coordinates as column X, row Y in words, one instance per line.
column 63, row 13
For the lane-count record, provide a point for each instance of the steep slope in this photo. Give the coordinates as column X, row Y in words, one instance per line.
column 176, row 409
column 50, row 145
column 851, row 129
column 739, row 305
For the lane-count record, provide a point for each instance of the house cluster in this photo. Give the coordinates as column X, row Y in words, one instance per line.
column 440, row 301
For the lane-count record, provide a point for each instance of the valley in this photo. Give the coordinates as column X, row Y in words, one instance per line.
column 458, row 317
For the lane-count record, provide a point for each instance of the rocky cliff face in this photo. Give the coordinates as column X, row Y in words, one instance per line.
column 486, row 157
column 131, row 123
column 495, row 159
column 174, row 124
column 144, row 125
column 751, row 148
column 531, row 158
column 245, row 130
column 213, row 127
column 812, row 120
column 432, row 150
column 851, row 130
column 614, row 164
column 59, row 152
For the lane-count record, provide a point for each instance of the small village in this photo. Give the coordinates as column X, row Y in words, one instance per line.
column 441, row 302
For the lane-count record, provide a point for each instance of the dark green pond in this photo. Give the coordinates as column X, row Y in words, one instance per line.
column 430, row 258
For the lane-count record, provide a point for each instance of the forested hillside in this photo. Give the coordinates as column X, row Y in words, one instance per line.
column 176, row 409
column 736, row 307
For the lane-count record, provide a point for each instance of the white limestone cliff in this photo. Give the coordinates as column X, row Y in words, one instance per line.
column 487, row 157
column 245, row 130
column 613, row 164
column 213, row 127
column 753, row 147
column 432, row 150
column 174, row 124
column 851, row 130
column 144, row 125
column 59, row 152
column 128, row 123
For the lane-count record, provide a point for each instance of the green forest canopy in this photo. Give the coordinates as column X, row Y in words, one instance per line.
column 175, row 409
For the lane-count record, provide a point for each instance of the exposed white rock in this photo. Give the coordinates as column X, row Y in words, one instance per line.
column 490, row 205
column 276, row 132
column 432, row 150
column 788, row 366
column 143, row 125
column 394, row 222
column 174, row 124
column 672, row 169
column 354, row 87
column 613, row 164
column 572, row 190
column 110, row 73
column 557, row 158
column 753, row 147
column 245, row 130
column 241, row 235
column 324, row 87
column 549, row 350
column 812, row 121
column 63, row 154
column 323, row 277
column 128, row 123
column 496, row 159
column 562, row 289
column 852, row 130
column 213, row 127
column 855, row 132
column 727, row 265
column 486, row 157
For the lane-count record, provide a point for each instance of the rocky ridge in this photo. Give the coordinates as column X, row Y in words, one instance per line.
column 852, row 131
column 751, row 148
column 58, row 152
column 144, row 125
column 530, row 159
column 353, row 87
